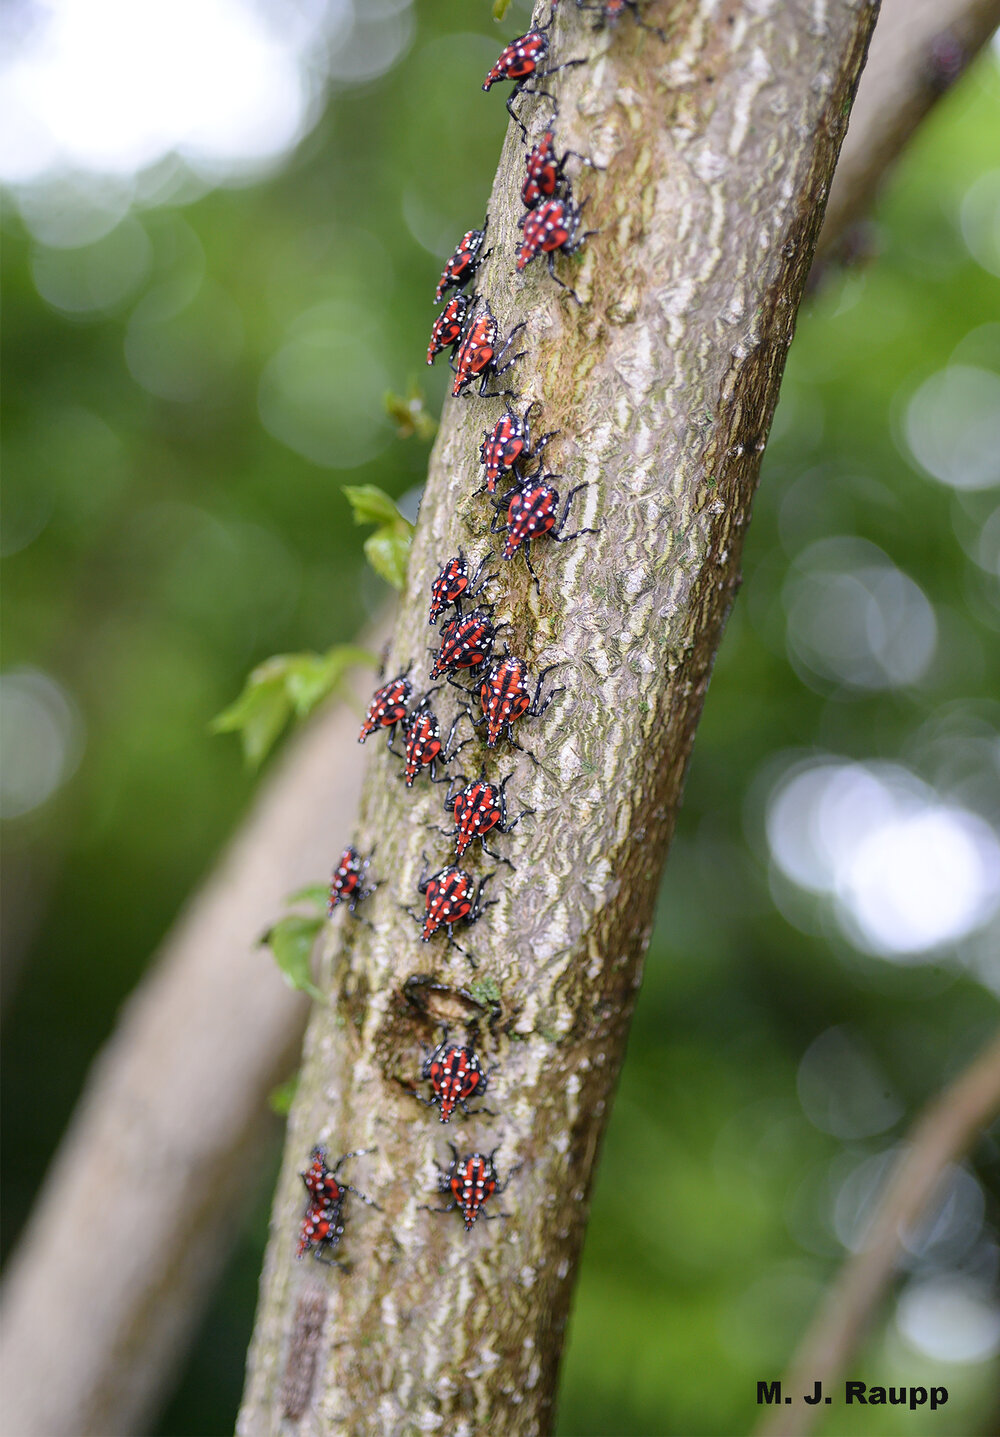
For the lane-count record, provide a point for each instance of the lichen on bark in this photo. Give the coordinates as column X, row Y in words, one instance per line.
column 716, row 149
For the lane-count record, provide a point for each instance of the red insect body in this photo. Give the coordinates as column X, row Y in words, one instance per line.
column 319, row 1179
column 531, row 512
column 480, row 353
column 455, row 1075
column 545, row 179
column 520, row 59
column 321, row 1229
column 464, row 262
column 520, row 62
column 322, row 1225
column 471, row 1181
column 466, row 643
column 387, row 707
column 475, row 354
column 505, row 697
column 422, row 746
column 478, row 809
column 453, row 584
column 448, row 326
column 347, row 883
column 507, row 444
column 553, row 228
column 450, row 896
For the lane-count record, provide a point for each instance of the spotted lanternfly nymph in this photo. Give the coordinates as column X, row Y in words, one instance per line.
column 480, row 355
column 322, row 1225
column 471, row 1180
column 545, row 178
column 453, row 584
column 347, row 884
column 422, row 745
column 505, row 696
column 455, row 1075
column 466, row 643
column 387, row 707
column 464, row 262
column 553, row 228
column 451, row 896
column 531, row 512
column 448, row 326
column 478, row 809
column 508, row 444
column 608, row 11
column 520, row 60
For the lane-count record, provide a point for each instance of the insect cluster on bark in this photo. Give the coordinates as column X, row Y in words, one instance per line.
column 502, row 689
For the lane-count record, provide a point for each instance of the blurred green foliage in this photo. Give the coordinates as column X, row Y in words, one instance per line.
column 164, row 536
column 287, row 685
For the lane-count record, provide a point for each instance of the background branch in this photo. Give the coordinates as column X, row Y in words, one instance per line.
column 942, row 1135
column 919, row 49
column 171, row 1125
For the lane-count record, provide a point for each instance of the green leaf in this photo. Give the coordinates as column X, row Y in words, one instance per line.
column 316, row 894
column 291, row 940
column 258, row 715
column 372, row 505
column 280, row 1099
column 388, row 549
column 281, row 686
column 500, row 8
column 389, row 555
column 310, row 677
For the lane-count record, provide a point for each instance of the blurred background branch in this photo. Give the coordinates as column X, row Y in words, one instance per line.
column 920, row 49
column 942, row 1136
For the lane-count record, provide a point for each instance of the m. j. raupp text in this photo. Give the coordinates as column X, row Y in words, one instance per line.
column 859, row 1394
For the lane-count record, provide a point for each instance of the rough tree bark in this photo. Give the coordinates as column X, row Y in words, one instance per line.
column 718, row 148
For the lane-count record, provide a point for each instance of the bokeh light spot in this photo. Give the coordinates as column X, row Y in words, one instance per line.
column 842, row 1090
column 41, row 737
column 952, row 426
column 855, row 619
column 949, row 1318
column 908, row 871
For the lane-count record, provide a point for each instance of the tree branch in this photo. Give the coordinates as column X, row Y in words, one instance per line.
column 717, row 151
column 919, row 49
column 181, row 1020
column 135, row 1218
column 942, row 1135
